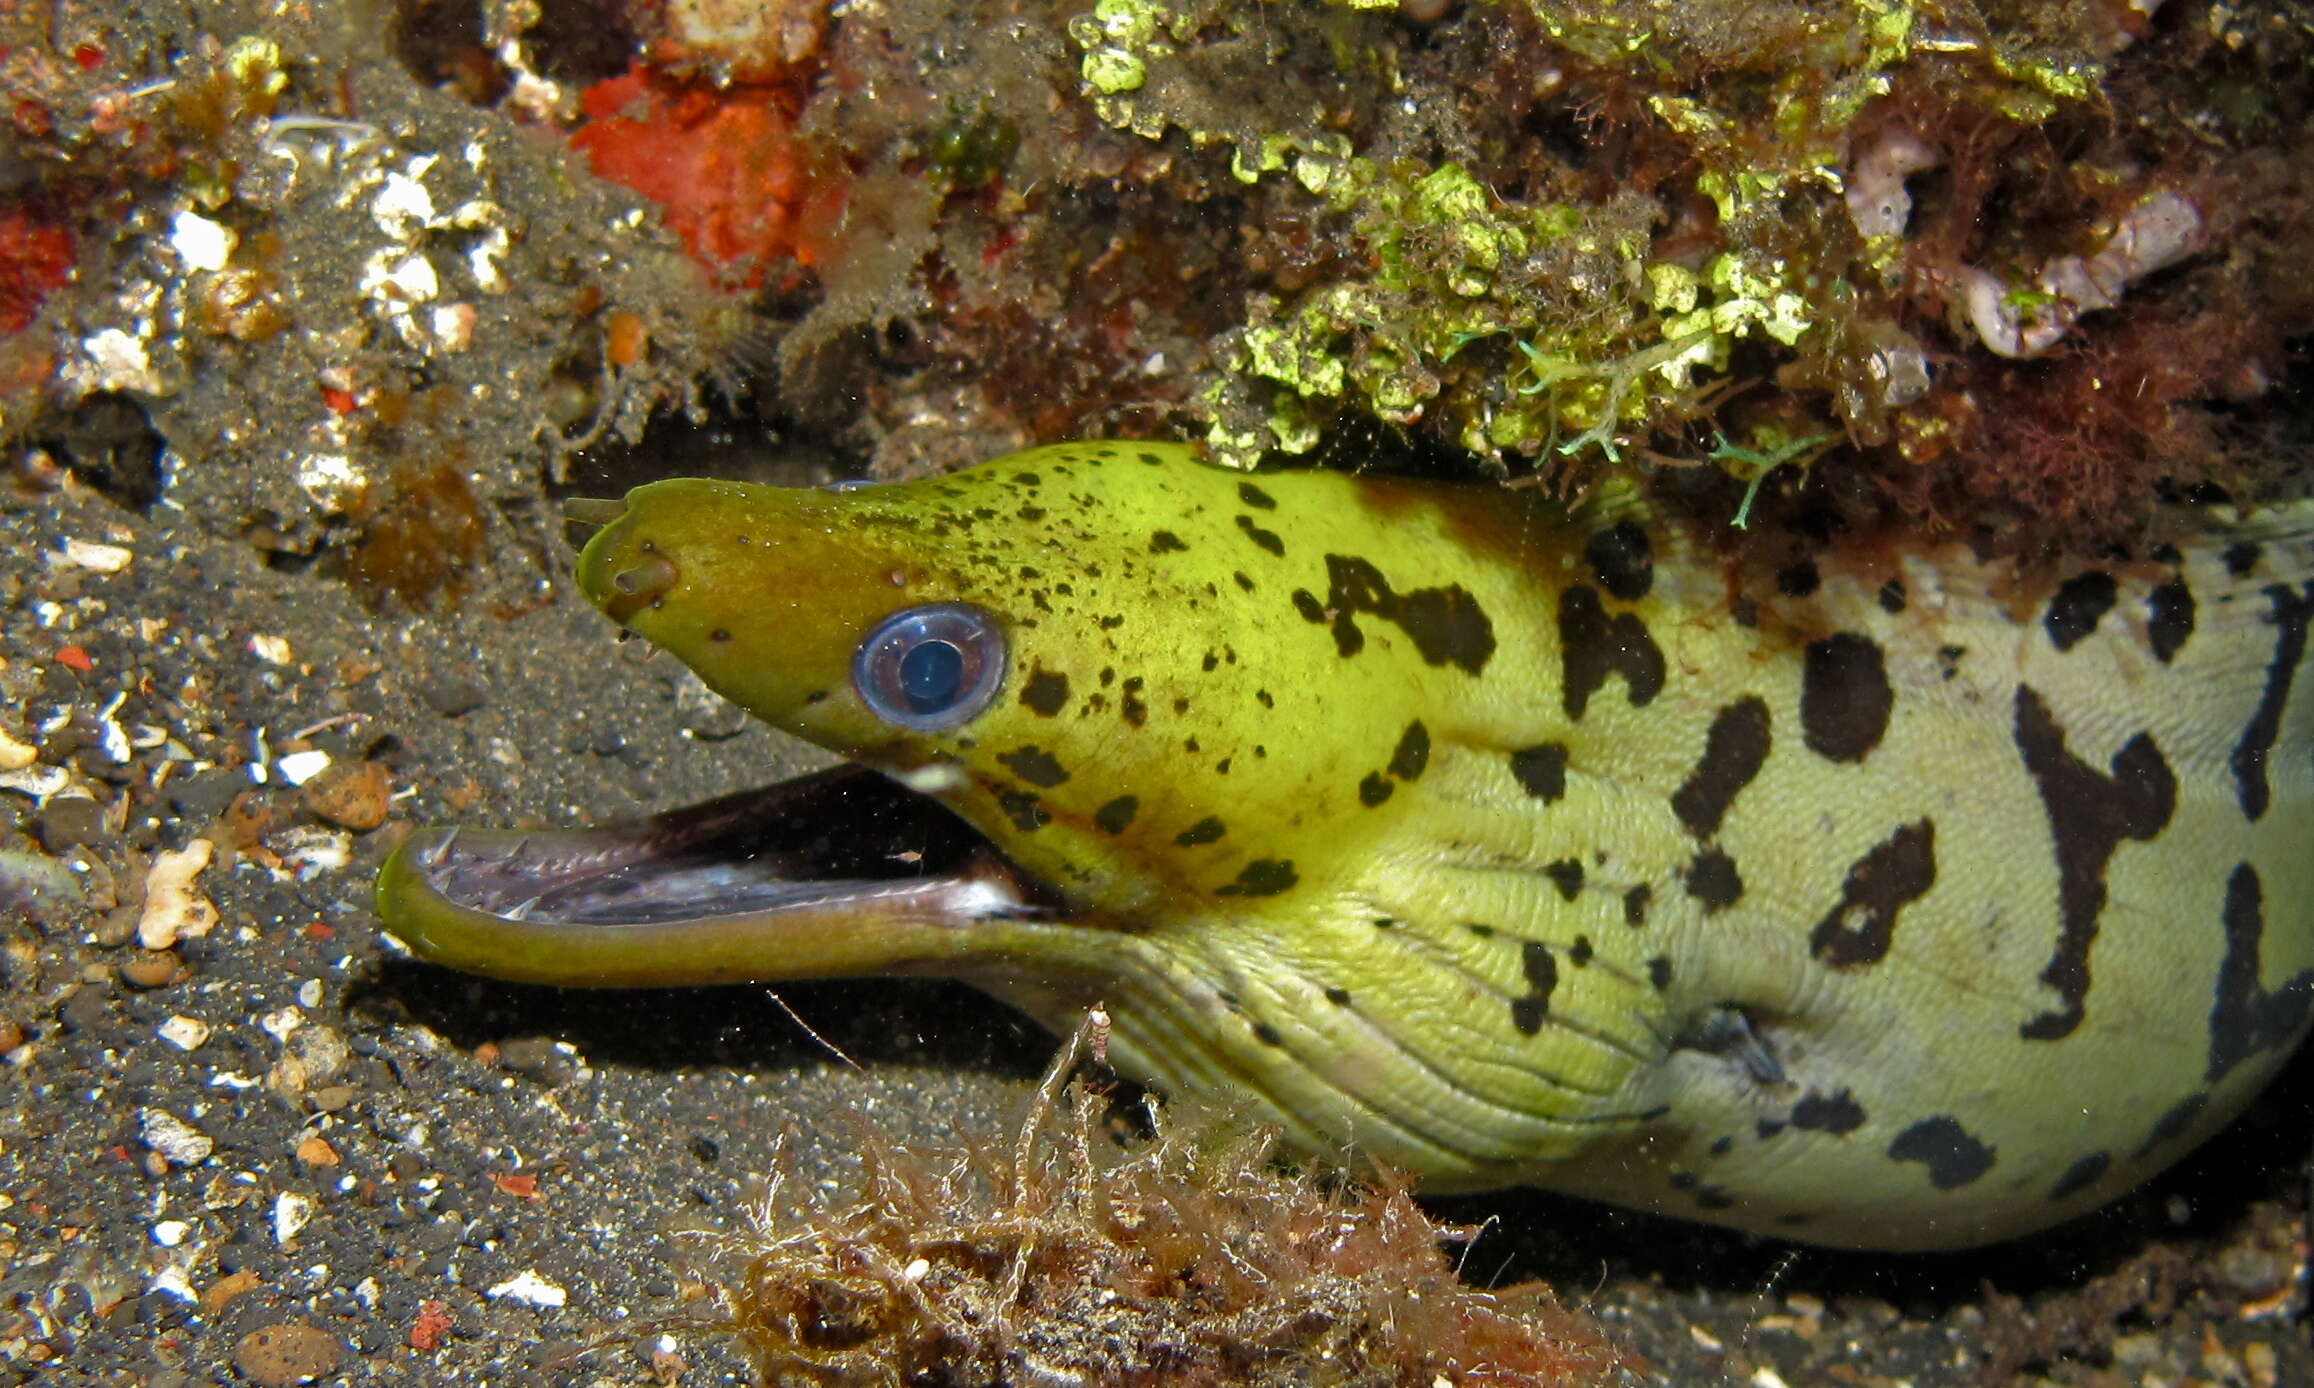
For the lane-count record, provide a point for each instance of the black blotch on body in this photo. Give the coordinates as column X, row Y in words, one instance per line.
column 1339, row 997
column 2081, row 603
column 1204, row 831
column 1897, row 871
column 1412, row 753
column 1046, row 693
column 1799, row 580
column 2168, row 619
column 1593, row 646
column 1541, row 770
column 2245, row 1019
column 1567, row 875
column 2174, row 1123
column 1264, row 539
column 1713, row 880
column 1734, row 750
column 1845, row 698
column 1026, row 812
column 1255, row 497
column 1117, row 814
column 2241, row 558
column 1262, row 877
column 1892, row 596
column 1446, row 625
column 2090, row 813
column 1836, row 1114
column 1659, row 973
column 1580, row 953
column 1623, row 560
column 1374, row 788
column 1130, row 706
column 2082, row 1174
column 1034, row 765
column 1166, row 542
column 1953, row 1156
column 1542, row 971
column 2291, row 610
column 1267, row 1034
column 1635, row 905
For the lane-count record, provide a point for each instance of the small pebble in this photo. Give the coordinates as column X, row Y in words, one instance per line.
column 69, row 821
column 286, row 1353
column 203, row 796
column 452, row 698
column 537, row 1058
column 352, row 795
column 154, row 968
column 116, row 927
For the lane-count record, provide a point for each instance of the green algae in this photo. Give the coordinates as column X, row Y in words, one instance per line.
column 1543, row 318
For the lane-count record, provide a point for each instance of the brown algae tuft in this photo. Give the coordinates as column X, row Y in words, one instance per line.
column 1189, row 1258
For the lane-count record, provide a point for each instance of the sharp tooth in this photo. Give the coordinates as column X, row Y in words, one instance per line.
column 434, row 856
column 521, row 911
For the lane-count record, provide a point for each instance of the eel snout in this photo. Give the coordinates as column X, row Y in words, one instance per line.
column 839, row 873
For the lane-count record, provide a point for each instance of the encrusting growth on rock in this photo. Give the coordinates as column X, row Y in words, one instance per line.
column 1189, row 1258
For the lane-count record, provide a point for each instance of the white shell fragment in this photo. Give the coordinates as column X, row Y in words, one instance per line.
column 299, row 767
column 104, row 559
column 529, row 1288
column 185, row 1033
column 174, row 909
column 201, row 243
column 173, row 1137
column 291, row 1213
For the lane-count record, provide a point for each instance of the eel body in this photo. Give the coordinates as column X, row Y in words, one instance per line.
column 1882, row 896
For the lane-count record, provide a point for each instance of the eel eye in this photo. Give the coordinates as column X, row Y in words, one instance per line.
column 930, row 668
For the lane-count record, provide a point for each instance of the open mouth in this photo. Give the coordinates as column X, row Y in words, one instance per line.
column 840, row 872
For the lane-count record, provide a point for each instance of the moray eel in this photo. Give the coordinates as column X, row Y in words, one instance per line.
column 1879, row 896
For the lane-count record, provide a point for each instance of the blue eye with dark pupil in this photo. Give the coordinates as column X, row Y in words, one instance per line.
column 930, row 668
column 931, row 676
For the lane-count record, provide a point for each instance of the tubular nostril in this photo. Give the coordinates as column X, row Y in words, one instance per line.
column 593, row 510
column 649, row 575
